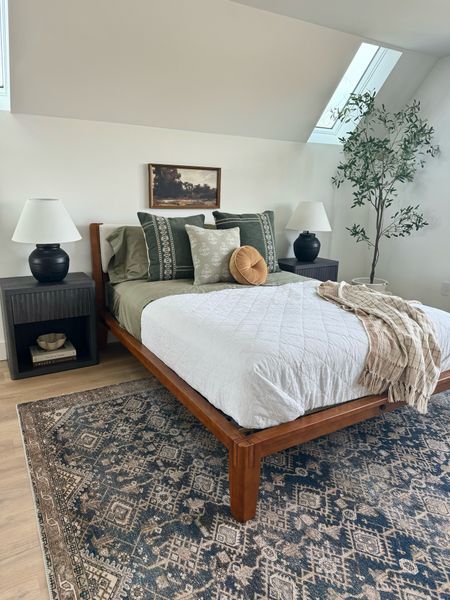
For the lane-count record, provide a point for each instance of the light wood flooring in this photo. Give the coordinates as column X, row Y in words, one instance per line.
column 22, row 572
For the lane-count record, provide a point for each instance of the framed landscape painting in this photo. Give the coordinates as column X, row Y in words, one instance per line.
column 173, row 186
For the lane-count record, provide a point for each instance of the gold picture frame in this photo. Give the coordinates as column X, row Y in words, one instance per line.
column 182, row 186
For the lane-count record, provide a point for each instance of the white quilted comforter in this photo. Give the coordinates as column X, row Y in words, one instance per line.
column 266, row 355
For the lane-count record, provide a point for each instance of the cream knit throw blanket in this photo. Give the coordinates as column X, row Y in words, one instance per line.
column 404, row 356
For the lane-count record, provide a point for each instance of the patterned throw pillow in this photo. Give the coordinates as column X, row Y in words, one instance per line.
column 211, row 250
column 168, row 247
column 257, row 230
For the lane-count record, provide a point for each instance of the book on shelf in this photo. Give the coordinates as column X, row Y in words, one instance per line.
column 53, row 361
column 41, row 357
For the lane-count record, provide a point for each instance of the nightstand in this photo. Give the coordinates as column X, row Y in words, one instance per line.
column 30, row 309
column 322, row 268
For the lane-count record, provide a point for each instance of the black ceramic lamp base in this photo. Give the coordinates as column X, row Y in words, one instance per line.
column 306, row 247
column 49, row 263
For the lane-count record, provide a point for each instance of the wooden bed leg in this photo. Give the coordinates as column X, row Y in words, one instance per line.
column 102, row 335
column 244, row 471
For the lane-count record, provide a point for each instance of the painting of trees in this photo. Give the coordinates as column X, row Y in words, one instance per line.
column 179, row 186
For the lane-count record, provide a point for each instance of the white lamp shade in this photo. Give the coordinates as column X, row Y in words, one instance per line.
column 309, row 216
column 45, row 221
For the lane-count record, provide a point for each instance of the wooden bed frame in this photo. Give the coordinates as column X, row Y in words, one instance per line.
column 245, row 451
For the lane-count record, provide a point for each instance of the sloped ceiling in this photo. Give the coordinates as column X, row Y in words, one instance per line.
column 205, row 65
column 410, row 24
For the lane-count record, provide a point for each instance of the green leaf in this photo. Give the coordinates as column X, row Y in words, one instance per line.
column 381, row 154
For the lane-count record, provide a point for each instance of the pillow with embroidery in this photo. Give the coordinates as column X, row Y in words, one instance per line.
column 257, row 230
column 168, row 247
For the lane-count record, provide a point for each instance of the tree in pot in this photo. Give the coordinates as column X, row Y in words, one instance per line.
column 382, row 151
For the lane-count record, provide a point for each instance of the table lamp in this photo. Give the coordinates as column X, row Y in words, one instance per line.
column 306, row 217
column 46, row 223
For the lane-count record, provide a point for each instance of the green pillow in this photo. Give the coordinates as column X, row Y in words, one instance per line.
column 257, row 230
column 168, row 247
column 129, row 260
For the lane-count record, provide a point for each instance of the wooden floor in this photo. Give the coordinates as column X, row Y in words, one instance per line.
column 21, row 564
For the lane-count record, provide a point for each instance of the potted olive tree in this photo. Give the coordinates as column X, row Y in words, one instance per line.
column 383, row 151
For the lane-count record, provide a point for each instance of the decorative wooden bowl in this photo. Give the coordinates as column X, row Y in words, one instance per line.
column 51, row 341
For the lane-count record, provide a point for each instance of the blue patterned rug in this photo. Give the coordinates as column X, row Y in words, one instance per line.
column 132, row 501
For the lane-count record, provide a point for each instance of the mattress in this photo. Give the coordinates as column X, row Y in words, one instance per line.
column 128, row 299
column 266, row 355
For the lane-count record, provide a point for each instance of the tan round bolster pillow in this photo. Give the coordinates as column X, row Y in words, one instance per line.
column 248, row 266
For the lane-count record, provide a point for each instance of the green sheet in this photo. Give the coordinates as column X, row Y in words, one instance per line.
column 127, row 300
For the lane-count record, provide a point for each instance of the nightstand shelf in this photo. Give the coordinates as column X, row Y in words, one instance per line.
column 322, row 269
column 31, row 309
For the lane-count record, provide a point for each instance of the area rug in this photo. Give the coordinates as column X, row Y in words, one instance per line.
column 132, row 501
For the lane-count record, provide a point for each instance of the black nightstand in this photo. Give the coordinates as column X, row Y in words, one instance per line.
column 322, row 268
column 31, row 309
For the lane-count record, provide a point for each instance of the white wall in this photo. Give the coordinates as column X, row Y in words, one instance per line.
column 202, row 65
column 316, row 168
column 414, row 24
column 416, row 266
column 99, row 171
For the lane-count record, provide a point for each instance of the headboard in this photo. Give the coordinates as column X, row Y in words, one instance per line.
column 101, row 253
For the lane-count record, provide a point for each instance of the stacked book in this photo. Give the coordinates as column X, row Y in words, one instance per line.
column 41, row 358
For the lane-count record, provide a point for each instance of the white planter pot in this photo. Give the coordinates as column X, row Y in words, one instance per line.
column 379, row 285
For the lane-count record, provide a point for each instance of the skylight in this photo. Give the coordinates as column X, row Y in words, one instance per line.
column 4, row 82
column 367, row 72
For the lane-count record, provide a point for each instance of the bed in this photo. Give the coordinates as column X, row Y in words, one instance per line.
column 264, row 388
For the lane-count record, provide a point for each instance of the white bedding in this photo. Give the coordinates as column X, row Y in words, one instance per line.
column 266, row 355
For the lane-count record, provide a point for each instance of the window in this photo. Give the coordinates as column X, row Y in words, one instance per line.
column 4, row 60
column 368, row 70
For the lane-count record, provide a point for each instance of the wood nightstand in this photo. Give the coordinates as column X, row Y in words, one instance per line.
column 322, row 269
column 30, row 309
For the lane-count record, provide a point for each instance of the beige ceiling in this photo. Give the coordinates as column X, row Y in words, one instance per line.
column 206, row 65
column 418, row 25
